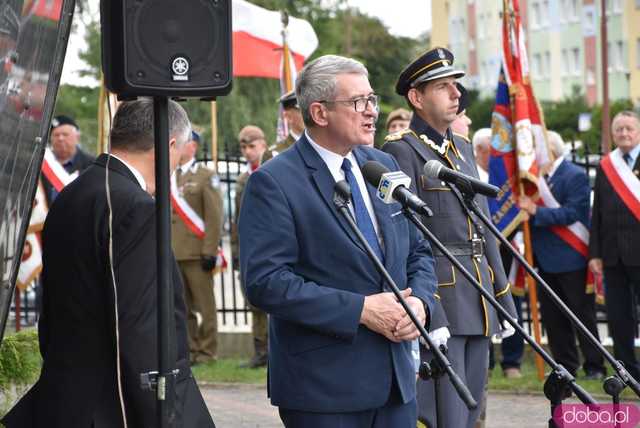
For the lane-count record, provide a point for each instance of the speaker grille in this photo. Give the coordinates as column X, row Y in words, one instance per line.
column 161, row 30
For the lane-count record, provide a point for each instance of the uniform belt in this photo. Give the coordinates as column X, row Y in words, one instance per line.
column 474, row 248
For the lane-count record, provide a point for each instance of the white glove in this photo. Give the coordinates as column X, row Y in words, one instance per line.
column 506, row 331
column 438, row 336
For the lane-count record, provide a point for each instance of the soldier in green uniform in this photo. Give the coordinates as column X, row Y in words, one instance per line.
column 253, row 146
column 294, row 123
column 461, row 314
column 196, row 253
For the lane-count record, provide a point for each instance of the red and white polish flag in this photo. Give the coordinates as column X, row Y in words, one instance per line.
column 257, row 41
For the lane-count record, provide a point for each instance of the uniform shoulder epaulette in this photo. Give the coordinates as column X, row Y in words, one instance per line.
column 397, row 135
column 465, row 139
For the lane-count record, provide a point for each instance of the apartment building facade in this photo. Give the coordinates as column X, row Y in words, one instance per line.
column 563, row 40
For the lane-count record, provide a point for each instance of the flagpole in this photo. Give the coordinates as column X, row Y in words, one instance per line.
column 101, row 104
column 286, row 65
column 214, row 135
column 533, row 293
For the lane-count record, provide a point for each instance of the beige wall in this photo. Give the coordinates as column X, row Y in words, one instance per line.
column 632, row 26
column 440, row 23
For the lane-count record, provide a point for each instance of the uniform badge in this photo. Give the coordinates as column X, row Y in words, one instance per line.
column 215, row 181
column 441, row 54
column 440, row 149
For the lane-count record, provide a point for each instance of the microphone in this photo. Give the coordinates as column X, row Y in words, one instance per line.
column 393, row 186
column 465, row 183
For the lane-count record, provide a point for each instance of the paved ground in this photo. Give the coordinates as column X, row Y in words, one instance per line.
column 246, row 406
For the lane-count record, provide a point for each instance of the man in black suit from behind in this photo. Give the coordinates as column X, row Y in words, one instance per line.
column 91, row 369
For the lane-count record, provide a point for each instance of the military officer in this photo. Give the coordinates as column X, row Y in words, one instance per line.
column 196, row 250
column 253, row 146
column 294, row 122
column 462, row 315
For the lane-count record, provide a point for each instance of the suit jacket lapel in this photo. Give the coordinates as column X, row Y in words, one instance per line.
column 381, row 210
column 324, row 183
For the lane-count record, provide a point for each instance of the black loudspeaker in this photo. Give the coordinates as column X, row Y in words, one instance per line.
column 174, row 48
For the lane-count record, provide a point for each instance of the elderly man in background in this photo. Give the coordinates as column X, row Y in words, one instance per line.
column 614, row 244
column 565, row 194
column 63, row 140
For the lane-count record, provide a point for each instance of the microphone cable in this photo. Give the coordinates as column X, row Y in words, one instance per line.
column 107, row 189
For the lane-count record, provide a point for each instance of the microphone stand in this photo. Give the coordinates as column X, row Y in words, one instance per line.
column 341, row 197
column 560, row 380
column 609, row 386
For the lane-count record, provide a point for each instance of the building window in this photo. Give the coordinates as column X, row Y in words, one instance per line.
column 544, row 13
column 577, row 65
column 537, row 66
column 573, row 11
column 536, row 15
column 617, row 6
column 547, row 64
column 565, row 62
column 609, row 57
column 562, row 11
column 620, row 61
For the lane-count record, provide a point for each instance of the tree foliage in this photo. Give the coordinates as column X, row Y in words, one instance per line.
column 340, row 30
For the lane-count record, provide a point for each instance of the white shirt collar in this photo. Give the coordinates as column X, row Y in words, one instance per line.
column 333, row 160
column 187, row 166
column 295, row 136
column 556, row 164
column 134, row 171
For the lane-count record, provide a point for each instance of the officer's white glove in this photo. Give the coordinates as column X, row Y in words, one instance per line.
column 506, row 331
column 438, row 336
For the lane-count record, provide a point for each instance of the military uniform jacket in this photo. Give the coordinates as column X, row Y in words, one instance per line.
column 460, row 305
column 276, row 149
column 199, row 187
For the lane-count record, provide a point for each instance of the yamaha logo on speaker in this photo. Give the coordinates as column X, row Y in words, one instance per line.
column 180, row 69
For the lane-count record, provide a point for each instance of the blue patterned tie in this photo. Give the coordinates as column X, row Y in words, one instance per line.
column 363, row 220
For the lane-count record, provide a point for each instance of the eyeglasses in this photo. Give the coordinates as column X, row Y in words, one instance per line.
column 359, row 104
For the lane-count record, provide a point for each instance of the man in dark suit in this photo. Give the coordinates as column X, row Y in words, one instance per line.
column 98, row 330
column 339, row 343
column 64, row 139
column 430, row 87
column 614, row 245
column 562, row 261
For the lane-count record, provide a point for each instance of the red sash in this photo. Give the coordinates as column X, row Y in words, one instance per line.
column 623, row 181
column 191, row 219
column 55, row 172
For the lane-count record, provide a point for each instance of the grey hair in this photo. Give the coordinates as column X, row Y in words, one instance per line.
column 132, row 128
column 626, row 113
column 556, row 143
column 317, row 81
column 481, row 136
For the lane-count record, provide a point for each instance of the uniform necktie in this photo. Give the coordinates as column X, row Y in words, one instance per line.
column 627, row 159
column 363, row 220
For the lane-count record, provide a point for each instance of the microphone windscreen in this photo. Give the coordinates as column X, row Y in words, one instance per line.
column 343, row 189
column 432, row 168
column 372, row 172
